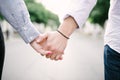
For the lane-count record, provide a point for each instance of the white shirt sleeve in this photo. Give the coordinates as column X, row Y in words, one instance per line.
column 80, row 10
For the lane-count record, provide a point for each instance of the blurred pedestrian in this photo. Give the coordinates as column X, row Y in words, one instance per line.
column 7, row 34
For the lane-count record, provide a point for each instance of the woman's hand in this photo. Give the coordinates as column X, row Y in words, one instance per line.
column 56, row 43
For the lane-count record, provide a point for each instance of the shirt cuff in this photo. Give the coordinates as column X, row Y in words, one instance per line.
column 28, row 32
column 76, row 18
column 68, row 15
column 80, row 12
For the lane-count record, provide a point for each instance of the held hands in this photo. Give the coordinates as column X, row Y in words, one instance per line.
column 56, row 43
column 51, row 45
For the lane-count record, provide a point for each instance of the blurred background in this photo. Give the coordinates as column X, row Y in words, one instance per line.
column 83, row 58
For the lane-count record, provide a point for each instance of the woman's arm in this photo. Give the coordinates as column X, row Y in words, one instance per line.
column 76, row 17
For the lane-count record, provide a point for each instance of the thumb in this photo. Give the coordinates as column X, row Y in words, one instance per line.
column 44, row 36
column 43, row 52
column 41, row 37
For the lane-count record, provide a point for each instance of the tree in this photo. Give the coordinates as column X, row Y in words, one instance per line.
column 1, row 18
column 40, row 14
column 100, row 12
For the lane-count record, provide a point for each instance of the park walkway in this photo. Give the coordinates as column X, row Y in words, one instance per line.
column 83, row 60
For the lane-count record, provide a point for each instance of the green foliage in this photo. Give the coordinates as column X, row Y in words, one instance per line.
column 53, row 17
column 29, row 1
column 1, row 18
column 39, row 14
column 100, row 12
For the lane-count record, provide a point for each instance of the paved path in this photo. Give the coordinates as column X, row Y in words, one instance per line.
column 83, row 60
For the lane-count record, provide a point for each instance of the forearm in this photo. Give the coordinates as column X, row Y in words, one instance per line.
column 16, row 13
column 68, row 26
column 80, row 10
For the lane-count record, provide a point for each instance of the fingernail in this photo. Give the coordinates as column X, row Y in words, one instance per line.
column 38, row 40
column 60, row 58
column 49, row 53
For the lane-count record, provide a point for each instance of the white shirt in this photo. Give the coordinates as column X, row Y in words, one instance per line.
column 112, row 35
column 81, row 11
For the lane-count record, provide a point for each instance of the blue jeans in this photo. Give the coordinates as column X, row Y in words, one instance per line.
column 111, row 64
column 2, row 52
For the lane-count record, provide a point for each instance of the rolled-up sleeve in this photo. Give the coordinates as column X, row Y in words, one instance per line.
column 80, row 10
column 16, row 13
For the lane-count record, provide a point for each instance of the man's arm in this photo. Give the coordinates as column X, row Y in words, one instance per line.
column 16, row 13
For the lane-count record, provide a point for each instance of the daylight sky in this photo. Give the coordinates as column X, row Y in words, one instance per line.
column 56, row 6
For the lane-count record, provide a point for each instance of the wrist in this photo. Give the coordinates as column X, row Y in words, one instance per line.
column 68, row 26
column 63, row 34
column 36, row 39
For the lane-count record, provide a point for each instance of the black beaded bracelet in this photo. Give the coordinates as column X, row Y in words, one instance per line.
column 62, row 34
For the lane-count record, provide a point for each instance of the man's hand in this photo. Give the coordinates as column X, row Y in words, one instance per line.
column 38, row 47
